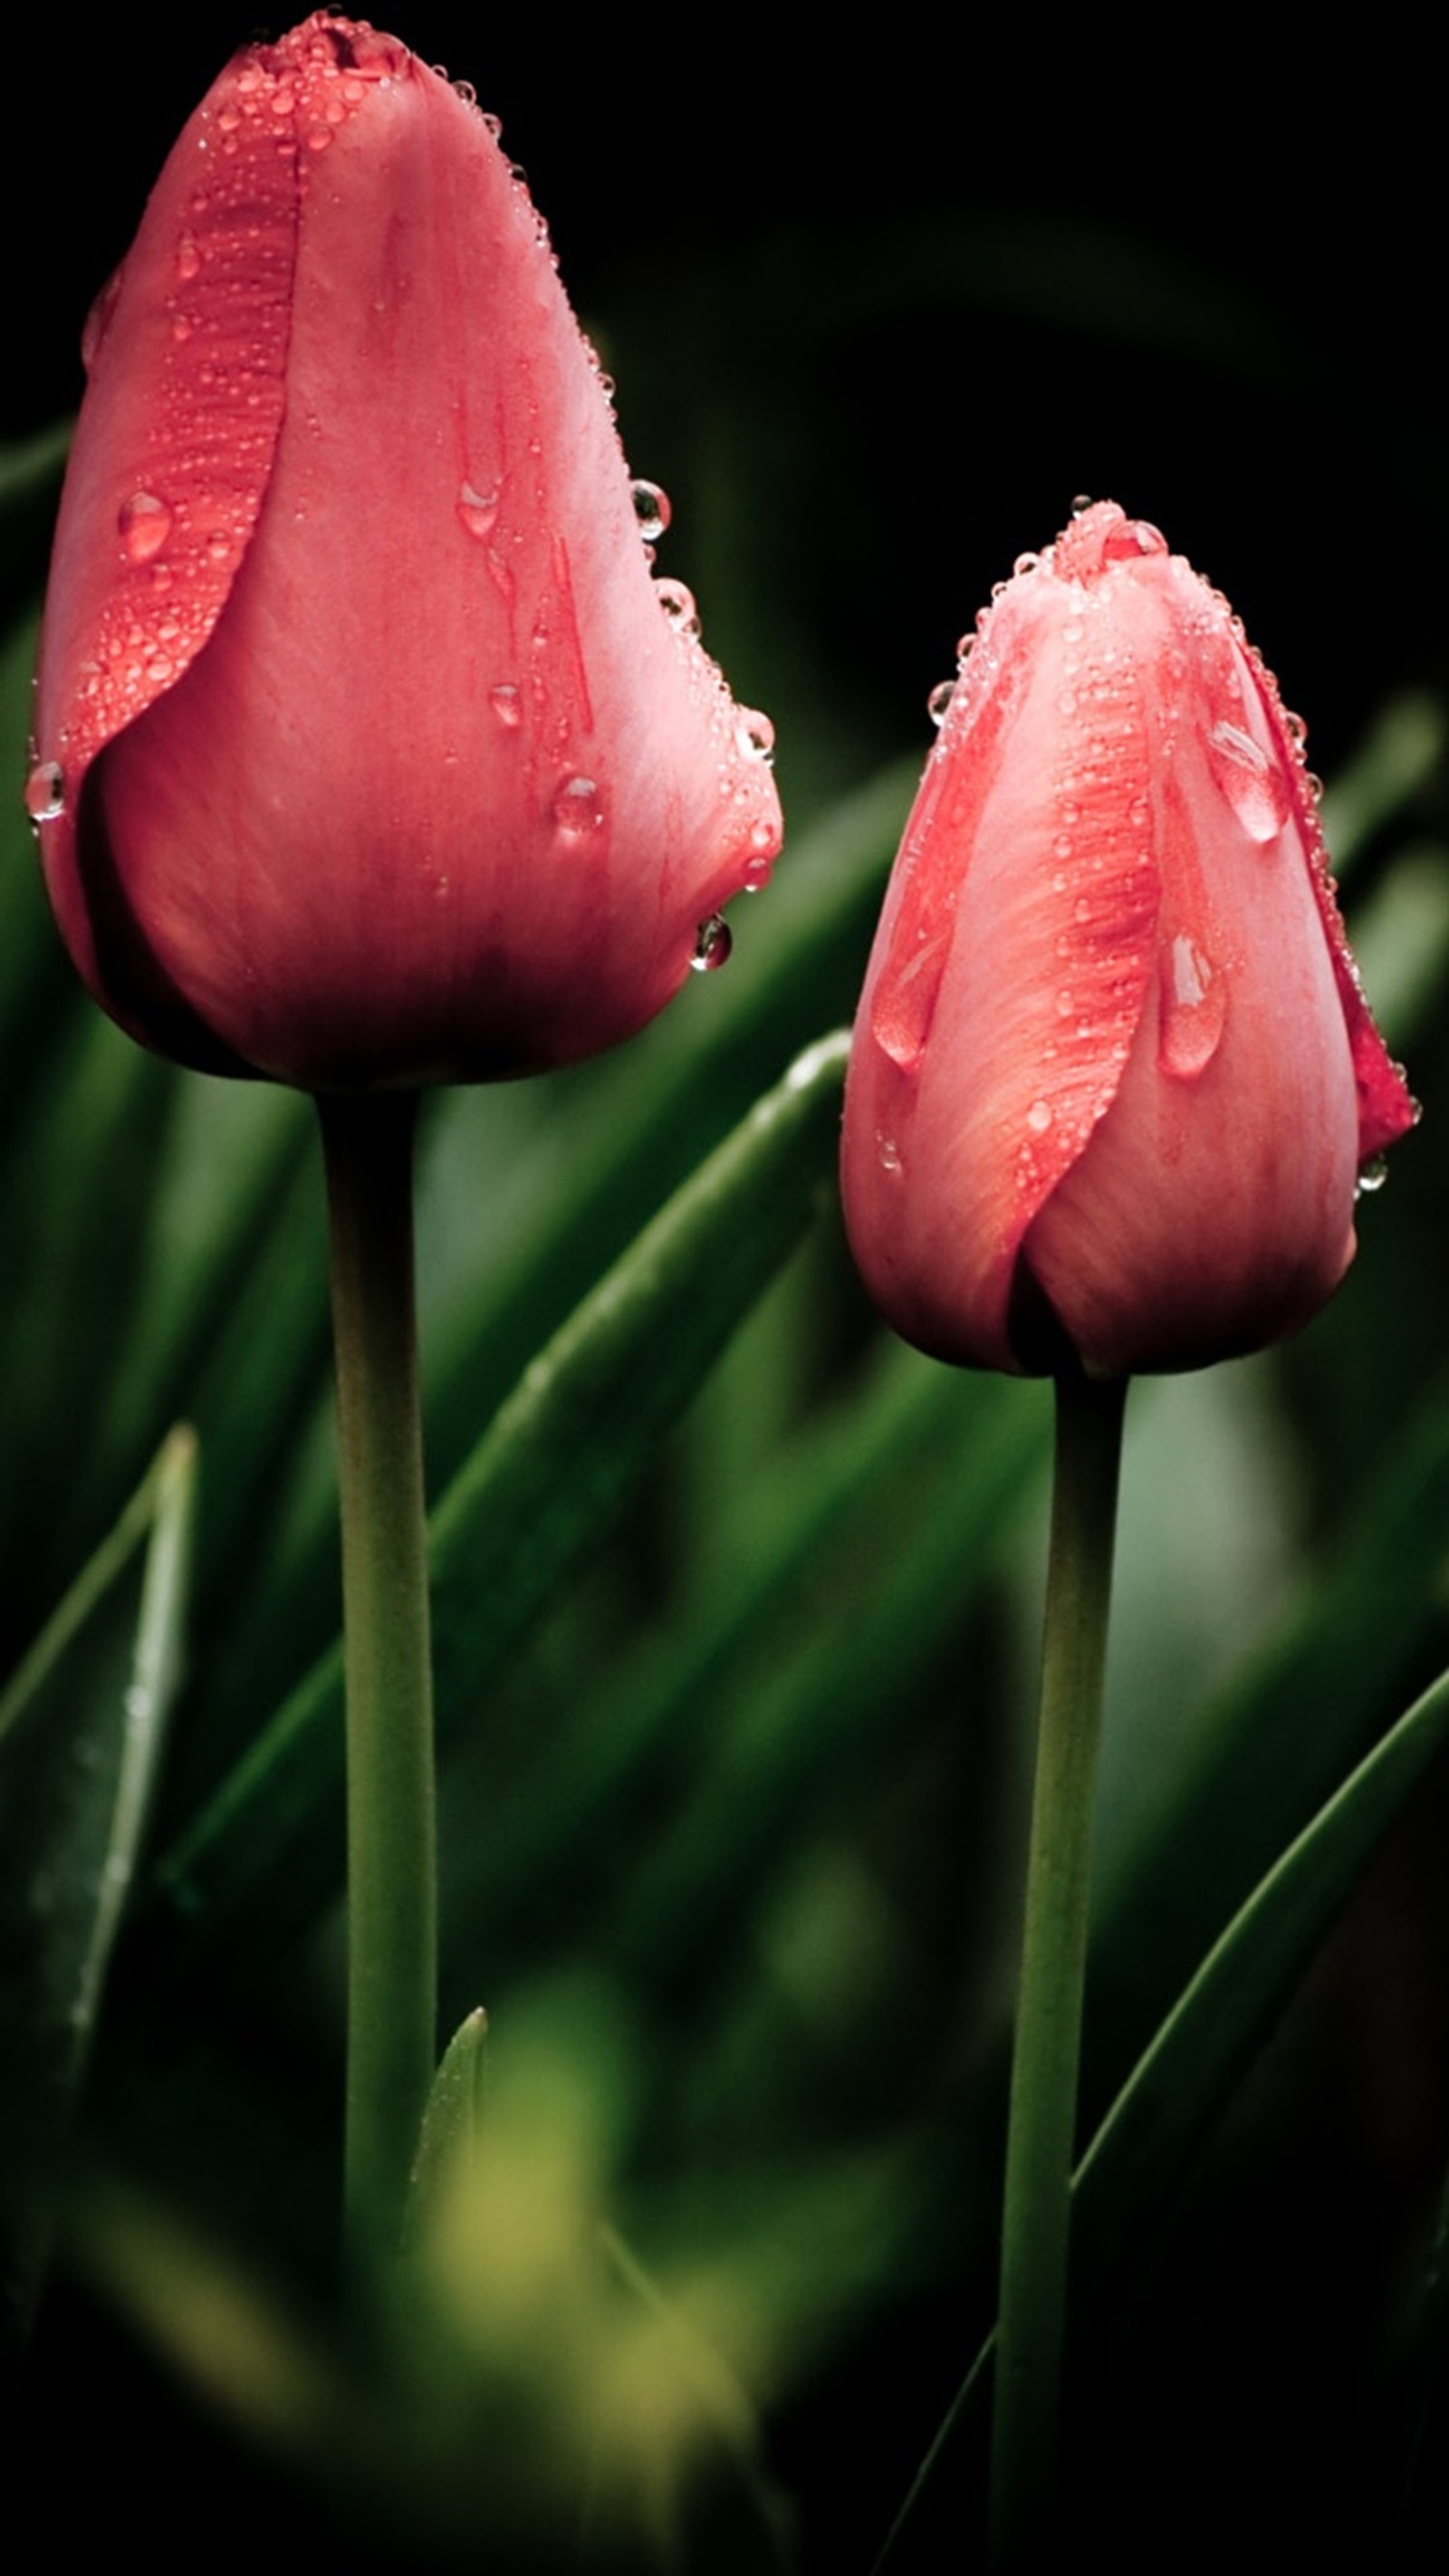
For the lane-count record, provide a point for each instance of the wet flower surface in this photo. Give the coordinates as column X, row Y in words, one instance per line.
column 1113, row 1079
column 368, row 750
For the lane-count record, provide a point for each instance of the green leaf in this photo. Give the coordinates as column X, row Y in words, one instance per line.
column 1126, row 2181
column 79, row 1746
column 453, row 2115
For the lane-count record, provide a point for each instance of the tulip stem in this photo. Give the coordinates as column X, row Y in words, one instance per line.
column 391, row 1862
column 1034, row 2230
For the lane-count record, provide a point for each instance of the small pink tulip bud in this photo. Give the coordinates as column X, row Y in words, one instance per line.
column 368, row 750
column 1113, row 1078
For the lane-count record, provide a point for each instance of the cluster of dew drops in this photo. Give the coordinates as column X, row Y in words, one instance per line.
column 578, row 806
column 1237, row 762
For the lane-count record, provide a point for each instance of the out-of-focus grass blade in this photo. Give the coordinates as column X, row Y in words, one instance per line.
column 1131, row 2170
column 545, row 1480
column 78, row 1756
column 766, row 2538
column 1285, row 1731
column 30, row 479
column 1397, row 757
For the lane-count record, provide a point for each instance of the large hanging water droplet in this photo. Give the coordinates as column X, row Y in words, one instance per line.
column 651, row 510
column 45, row 792
column 755, row 735
column 1193, row 1010
column 939, row 702
column 1251, row 780
column 578, row 810
column 713, row 941
column 145, row 524
column 477, row 510
column 677, row 601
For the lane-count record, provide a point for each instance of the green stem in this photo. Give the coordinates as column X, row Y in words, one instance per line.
column 1032, row 2310
column 391, row 1865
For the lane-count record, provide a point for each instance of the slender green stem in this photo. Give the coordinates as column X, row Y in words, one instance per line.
column 391, row 1865
column 1032, row 2310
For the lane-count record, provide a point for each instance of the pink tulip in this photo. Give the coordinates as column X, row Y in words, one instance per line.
column 1113, row 1078
column 367, row 749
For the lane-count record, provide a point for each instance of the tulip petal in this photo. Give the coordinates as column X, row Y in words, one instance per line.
column 1027, row 884
column 186, row 351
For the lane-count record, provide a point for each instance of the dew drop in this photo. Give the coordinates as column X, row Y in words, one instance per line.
column 578, row 809
column 1252, row 782
column 188, row 258
column 889, row 1152
column 755, row 735
column 1025, row 563
column 144, row 524
column 1372, row 1177
column 506, row 705
column 1194, row 1008
column 1039, row 1117
column 45, row 792
column 713, row 942
column 677, row 601
column 477, row 510
column 651, row 510
column 1082, row 501
column 939, row 702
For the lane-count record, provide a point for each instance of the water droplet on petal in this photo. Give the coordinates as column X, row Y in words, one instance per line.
column 939, row 701
column 713, row 942
column 1251, row 780
column 1372, row 1177
column 506, row 705
column 651, row 509
column 145, row 525
column 677, row 601
column 1081, row 501
column 1194, row 1008
column 1039, row 1117
column 755, row 735
column 477, row 510
column 45, row 792
column 889, row 1152
column 188, row 258
column 578, row 809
